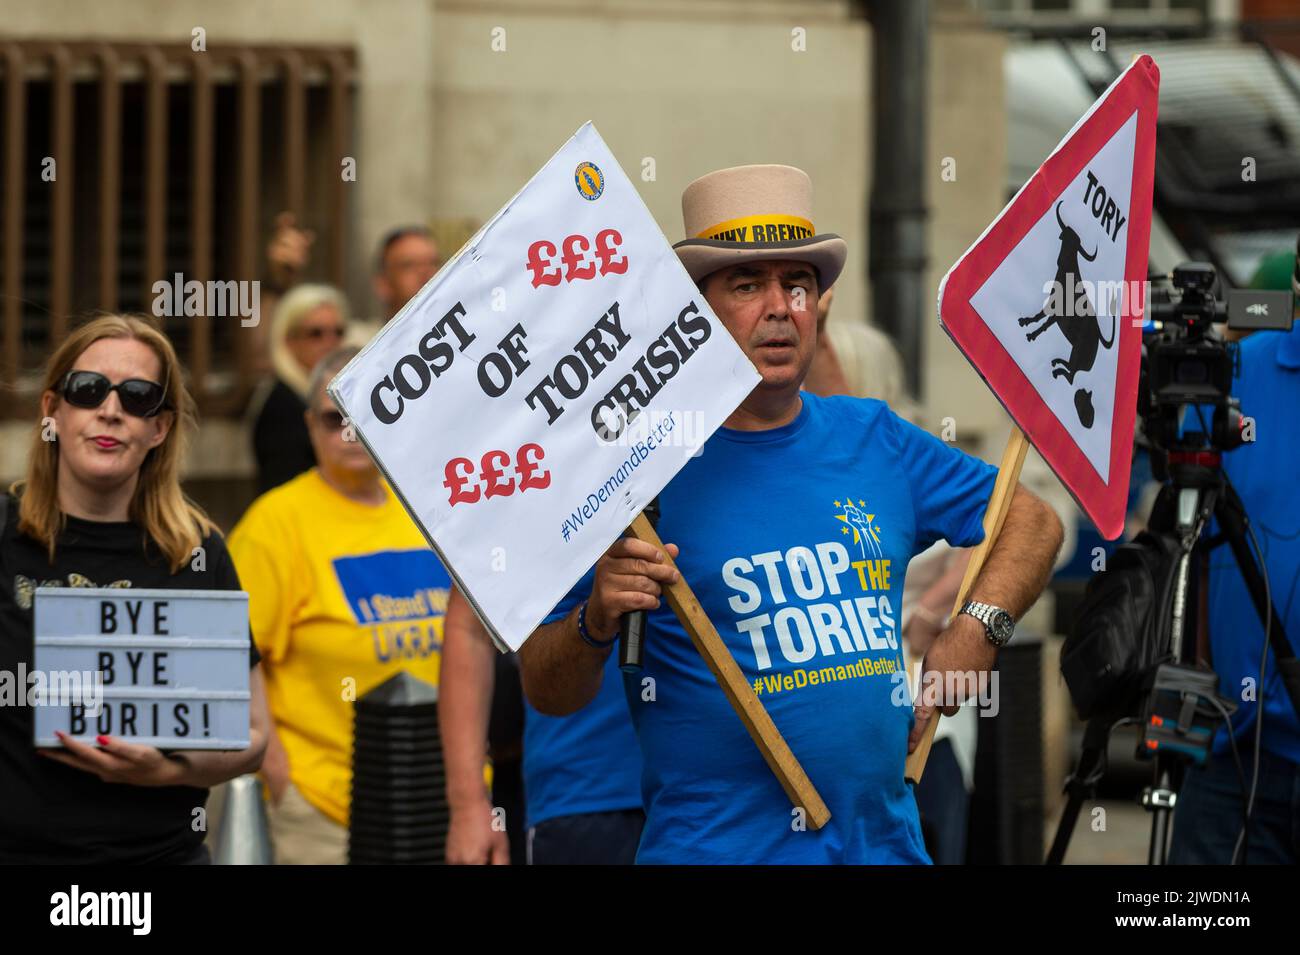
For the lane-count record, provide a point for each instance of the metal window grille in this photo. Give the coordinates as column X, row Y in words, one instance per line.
column 126, row 163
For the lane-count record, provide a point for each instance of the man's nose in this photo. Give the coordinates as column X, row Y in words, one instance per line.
column 776, row 301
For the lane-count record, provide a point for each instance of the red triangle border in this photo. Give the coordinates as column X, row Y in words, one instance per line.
column 1104, row 502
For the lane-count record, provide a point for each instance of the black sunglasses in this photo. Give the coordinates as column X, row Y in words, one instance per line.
column 319, row 332
column 331, row 420
column 88, row 389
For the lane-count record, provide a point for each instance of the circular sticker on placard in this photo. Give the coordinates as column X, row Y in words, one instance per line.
column 589, row 180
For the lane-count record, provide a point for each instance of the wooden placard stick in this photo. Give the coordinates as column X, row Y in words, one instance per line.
column 1013, row 456
column 780, row 759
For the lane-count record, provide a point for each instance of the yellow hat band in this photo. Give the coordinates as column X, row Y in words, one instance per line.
column 765, row 228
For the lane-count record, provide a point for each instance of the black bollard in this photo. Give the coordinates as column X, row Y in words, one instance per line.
column 399, row 788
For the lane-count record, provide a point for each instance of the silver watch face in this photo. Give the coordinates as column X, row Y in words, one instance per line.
column 1003, row 627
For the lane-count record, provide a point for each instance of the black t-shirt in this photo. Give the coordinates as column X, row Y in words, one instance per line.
column 281, row 442
column 52, row 813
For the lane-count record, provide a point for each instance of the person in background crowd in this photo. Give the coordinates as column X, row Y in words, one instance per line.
column 343, row 593
column 408, row 257
column 309, row 322
column 102, row 506
column 506, row 751
column 464, row 712
column 581, row 772
column 1208, row 815
column 288, row 254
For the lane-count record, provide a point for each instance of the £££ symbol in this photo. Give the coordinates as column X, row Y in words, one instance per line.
column 460, row 471
column 577, row 265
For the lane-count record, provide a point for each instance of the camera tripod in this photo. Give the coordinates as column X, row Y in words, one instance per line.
column 1182, row 706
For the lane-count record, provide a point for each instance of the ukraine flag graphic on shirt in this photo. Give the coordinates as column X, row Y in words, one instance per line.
column 395, row 593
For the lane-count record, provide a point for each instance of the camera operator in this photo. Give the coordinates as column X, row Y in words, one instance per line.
column 1209, row 813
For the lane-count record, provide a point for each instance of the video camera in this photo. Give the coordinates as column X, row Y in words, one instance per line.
column 1186, row 364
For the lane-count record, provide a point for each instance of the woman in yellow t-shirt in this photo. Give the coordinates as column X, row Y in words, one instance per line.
column 343, row 593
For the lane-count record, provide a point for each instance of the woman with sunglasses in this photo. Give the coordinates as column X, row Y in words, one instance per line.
column 344, row 593
column 102, row 506
column 309, row 322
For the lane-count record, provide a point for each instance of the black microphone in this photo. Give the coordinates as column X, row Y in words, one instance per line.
column 631, row 645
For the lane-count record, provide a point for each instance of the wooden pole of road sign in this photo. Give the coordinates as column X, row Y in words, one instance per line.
column 1013, row 457
column 739, row 693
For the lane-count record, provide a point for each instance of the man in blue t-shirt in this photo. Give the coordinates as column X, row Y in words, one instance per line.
column 795, row 526
column 1208, row 817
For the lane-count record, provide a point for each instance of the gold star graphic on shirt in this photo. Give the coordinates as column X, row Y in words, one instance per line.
column 856, row 535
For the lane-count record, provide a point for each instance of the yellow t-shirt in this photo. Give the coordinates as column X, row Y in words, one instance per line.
column 341, row 597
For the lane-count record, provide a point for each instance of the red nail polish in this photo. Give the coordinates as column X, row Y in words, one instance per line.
column 101, row 740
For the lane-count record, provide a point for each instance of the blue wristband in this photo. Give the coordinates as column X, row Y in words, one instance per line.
column 587, row 638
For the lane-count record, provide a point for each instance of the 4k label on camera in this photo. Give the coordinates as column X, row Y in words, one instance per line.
column 1048, row 304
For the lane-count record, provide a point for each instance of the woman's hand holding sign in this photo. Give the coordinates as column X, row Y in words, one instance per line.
column 629, row 576
column 117, row 761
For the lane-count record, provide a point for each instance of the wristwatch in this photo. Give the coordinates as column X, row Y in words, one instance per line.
column 998, row 624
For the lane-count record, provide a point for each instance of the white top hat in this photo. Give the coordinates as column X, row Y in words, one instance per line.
column 750, row 213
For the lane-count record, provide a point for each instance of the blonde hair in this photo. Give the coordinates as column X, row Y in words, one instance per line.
column 292, row 309
column 871, row 365
column 173, row 522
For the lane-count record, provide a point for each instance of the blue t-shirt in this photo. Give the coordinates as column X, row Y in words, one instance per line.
column 795, row 540
column 586, row 762
column 1264, row 473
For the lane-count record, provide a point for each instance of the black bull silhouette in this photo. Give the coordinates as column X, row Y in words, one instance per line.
column 1070, row 308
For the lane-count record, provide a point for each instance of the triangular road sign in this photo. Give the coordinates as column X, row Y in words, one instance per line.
column 1048, row 303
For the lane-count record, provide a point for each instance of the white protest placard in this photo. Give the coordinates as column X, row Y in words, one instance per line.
column 165, row 668
column 544, row 386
